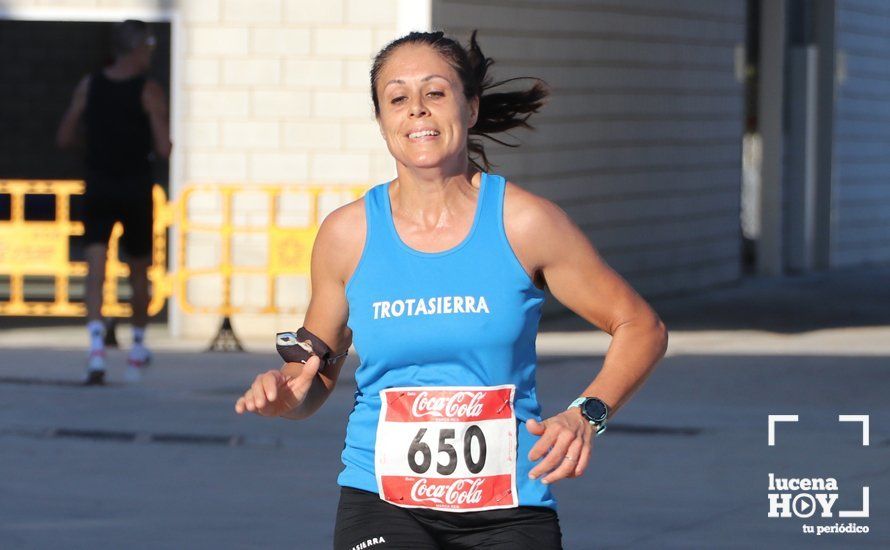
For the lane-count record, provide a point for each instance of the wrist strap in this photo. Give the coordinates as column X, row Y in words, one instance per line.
column 300, row 346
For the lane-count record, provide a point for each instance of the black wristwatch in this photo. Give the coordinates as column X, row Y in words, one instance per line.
column 594, row 410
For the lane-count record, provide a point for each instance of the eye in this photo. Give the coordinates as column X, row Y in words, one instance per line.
column 435, row 93
column 397, row 100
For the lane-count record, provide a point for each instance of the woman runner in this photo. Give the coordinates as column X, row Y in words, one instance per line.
column 438, row 274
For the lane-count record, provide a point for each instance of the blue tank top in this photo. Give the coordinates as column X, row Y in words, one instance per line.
column 467, row 316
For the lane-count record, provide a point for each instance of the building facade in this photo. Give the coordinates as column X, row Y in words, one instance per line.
column 641, row 142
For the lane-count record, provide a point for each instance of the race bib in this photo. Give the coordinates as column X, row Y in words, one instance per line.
column 447, row 448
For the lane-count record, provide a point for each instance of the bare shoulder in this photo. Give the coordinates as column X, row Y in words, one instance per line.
column 537, row 228
column 340, row 240
column 79, row 97
column 526, row 210
column 153, row 94
column 84, row 84
column 153, row 87
column 82, row 88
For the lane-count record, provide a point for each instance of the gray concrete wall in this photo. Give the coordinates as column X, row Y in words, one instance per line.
column 641, row 141
column 862, row 134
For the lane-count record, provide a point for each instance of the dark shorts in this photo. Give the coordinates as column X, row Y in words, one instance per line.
column 365, row 522
column 127, row 199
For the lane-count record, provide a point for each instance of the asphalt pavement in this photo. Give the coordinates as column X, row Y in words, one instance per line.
column 168, row 464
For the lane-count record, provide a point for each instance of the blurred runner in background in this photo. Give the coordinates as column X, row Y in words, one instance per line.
column 125, row 118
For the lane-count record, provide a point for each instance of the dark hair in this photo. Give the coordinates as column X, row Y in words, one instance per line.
column 129, row 35
column 498, row 112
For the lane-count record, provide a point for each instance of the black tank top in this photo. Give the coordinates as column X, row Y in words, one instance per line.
column 119, row 138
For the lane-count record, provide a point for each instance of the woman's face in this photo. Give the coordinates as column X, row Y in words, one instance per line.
column 424, row 116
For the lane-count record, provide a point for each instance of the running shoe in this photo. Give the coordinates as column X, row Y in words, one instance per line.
column 95, row 368
column 137, row 362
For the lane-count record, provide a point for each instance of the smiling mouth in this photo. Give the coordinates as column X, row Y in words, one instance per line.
column 423, row 134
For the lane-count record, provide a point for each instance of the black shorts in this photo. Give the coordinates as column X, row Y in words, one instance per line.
column 119, row 198
column 366, row 522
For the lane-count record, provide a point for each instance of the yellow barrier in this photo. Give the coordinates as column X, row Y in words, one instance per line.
column 289, row 217
column 287, row 244
column 41, row 249
column 285, row 240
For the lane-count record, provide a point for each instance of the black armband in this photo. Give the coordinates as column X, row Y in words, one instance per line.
column 300, row 346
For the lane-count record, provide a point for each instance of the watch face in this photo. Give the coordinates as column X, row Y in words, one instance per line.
column 595, row 410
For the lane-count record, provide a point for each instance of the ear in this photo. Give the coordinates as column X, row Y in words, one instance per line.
column 474, row 112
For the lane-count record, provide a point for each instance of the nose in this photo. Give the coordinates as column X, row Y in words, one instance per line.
column 418, row 109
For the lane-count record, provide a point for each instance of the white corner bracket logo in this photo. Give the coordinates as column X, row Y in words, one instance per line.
column 857, row 418
column 807, row 497
column 773, row 418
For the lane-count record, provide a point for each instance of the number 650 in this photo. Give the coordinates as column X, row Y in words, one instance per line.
column 418, row 446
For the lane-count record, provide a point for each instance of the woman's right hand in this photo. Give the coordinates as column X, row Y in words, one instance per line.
column 277, row 392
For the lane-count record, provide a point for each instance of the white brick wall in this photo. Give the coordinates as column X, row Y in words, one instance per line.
column 309, row 73
column 255, row 11
column 201, row 72
column 379, row 12
column 346, row 105
column 281, row 42
column 358, row 73
column 340, row 167
column 283, row 85
column 218, row 41
column 201, row 134
column 250, row 135
column 280, row 103
column 200, row 11
column 382, row 167
column 206, row 103
column 216, row 167
column 309, row 134
column 251, row 72
column 279, row 167
column 343, row 42
column 312, row 12
column 363, row 135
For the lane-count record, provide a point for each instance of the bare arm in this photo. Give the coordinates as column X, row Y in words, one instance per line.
column 328, row 310
column 552, row 245
column 155, row 106
column 67, row 132
column 582, row 281
column 297, row 390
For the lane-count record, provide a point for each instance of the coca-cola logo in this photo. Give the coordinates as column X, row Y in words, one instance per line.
column 458, row 492
column 464, row 404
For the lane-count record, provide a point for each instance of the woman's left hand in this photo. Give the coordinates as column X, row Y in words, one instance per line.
column 567, row 436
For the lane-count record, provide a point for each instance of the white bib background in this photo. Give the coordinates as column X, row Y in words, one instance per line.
column 449, row 448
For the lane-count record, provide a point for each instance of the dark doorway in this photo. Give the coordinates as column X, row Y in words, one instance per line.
column 41, row 63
